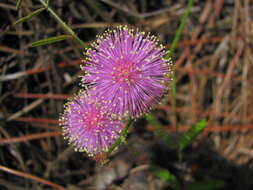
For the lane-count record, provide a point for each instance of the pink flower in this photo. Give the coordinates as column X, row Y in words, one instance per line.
column 126, row 69
column 87, row 126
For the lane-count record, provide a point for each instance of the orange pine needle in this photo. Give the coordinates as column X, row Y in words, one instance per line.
column 45, row 96
column 37, row 120
column 29, row 137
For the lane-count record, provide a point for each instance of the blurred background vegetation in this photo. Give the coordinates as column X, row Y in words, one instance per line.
column 214, row 75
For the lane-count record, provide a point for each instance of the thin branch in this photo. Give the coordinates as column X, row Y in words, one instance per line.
column 32, row 177
column 25, row 109
column 43, row 96
column 122, row 137
column 63, row 24
column 29, row 137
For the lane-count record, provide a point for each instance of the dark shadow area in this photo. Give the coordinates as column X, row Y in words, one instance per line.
column 203, row 163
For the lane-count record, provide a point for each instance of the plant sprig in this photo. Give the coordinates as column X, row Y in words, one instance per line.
column 62, row 23
column 56, row 17
column 173, row 47
column 122, row 136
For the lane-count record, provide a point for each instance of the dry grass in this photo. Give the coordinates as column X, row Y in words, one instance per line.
column 214, row 69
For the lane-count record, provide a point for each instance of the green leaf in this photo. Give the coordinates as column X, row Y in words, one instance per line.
column 211, row 184
column 169, row 139
column 26, row 18
column 165, row 175
column 18, row 4
column 50, row 40
column 180, row 29
column 152, row 120
column 191, row 134
column 158, row 128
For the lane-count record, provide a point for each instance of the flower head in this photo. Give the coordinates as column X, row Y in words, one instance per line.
column 87, row 126
column 126, row 69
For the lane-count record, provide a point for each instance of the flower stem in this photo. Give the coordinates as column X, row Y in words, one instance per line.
column 180, row 29
column 63, row 24
column 174, row 46
column 122, row 137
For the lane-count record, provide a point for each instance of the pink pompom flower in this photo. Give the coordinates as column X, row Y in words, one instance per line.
column 88, row 126
column 127, row 70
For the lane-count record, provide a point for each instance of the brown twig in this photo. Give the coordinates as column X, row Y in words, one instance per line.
column 29, row 137
column 25, row 109
column 210, row 129
column 32, row 177
column 215, row 128
column 226, row 81
column 37, row 120
column 43, row 96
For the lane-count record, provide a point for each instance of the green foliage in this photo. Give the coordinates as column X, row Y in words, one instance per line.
column 152, row 120
column 167, row 176
column 191, row 134
column 185, row 138
column 211, row 184
column 56, row 17
column 18, row 4
column 180, row 29
column 28, row 17
column 62, row 23
column 161, row 132
column 122, row 137
column 50, row 40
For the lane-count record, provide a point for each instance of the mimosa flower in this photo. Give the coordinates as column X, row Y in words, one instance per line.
column 88, row 126
column 127, row 70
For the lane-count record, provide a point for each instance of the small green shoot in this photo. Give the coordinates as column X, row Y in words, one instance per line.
column 190, row 135
column 169, row 54
column 167, row 176
column 158, row 128
column 122, row 137
column 18, row 4
column 152, row 120
column 62, row 23
column 180, row 29
column 50, row 40
column 28, row 17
